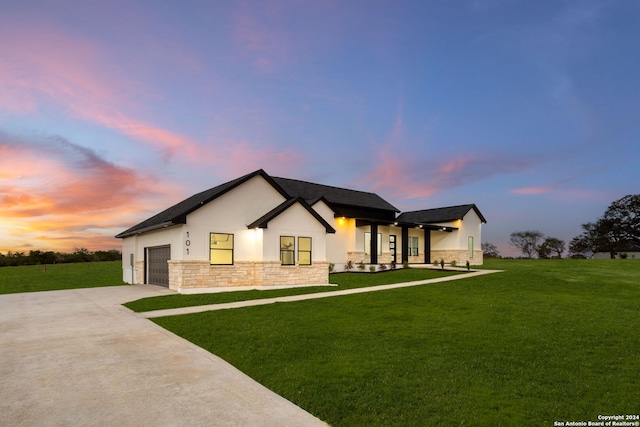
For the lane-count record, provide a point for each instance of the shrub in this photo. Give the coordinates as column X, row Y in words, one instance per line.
column 372, row 268
column 332, row 267
column 361, row 266
column 383, row 267
column 349, row 265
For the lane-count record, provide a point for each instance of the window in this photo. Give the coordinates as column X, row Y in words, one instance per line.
column 287, row 248
column 413, row 246
column 304, row 250
column 367, row 243
column 221, row 249
column 470, row 246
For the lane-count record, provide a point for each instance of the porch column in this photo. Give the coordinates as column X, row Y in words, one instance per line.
column 374, row 243
column 405, row 244
column 427, row 246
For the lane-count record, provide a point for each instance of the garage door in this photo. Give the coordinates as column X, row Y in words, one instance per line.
column 157, row 267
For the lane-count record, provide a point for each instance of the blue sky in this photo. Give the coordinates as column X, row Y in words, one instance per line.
column 113, row 111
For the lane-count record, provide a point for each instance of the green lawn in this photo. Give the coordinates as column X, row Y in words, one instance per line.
column 546, row 340
column 33, row 278
column 344, row 281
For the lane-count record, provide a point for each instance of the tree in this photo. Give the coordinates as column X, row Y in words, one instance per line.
column 81, row 255
column 623, row 216
column 620, row 222
column 489, row 250
column 526, row 241
column 551, row 248
column 583, row 246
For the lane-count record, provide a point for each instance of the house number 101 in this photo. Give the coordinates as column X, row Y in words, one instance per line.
column 187, row 243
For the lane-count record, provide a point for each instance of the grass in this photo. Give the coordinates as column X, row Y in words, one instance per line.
column 546, row 340
column 343, row 280
column 34, row 278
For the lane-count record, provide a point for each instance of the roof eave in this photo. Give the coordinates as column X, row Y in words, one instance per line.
column 147, row 229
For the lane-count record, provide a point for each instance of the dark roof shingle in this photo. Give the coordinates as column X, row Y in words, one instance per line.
column 311, row 193
column 446, row 214
column 177, row 213
column 289, row 188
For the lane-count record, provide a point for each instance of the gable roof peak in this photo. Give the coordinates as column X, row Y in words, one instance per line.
column 177, row 214
column 443, row 214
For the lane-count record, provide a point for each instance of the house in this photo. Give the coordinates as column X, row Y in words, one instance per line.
column 626, row 249
column 259, row 230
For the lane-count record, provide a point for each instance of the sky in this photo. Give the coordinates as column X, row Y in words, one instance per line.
column 111, row 111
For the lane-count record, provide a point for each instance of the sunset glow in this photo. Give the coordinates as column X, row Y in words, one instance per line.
column 111, row 112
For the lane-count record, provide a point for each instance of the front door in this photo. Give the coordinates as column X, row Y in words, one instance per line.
column 392, row 247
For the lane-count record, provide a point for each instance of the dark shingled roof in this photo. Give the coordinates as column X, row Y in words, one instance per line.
column 289, row 188
column 447, row 214
column 311, row 193
column 177, row 214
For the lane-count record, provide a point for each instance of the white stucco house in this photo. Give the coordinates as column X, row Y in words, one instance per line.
column 626, row 249
column 259, row 230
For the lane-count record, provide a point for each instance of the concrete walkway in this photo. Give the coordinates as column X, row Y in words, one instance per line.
column 78, row 358
column 265, row 301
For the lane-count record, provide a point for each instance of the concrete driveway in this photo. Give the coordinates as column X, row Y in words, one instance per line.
column 78, row 358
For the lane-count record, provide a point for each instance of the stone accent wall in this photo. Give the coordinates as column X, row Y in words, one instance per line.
column 459, row 256
column 356, row 257
column 200, row 274
column 139, row 272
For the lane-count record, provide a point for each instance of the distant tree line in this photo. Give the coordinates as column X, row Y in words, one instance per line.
column 619, row 225
column 39, row 257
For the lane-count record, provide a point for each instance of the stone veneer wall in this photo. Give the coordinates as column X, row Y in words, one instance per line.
column 356, row 257
column 460, row 257
column 139, row 272
column 200, row 274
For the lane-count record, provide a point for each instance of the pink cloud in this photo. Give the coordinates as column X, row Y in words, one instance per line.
column 42, row 66
column 169, row 143
column 527, row 191
column 65, row 194
column 399, row 172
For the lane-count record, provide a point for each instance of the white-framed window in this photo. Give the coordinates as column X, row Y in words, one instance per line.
column 304, row 250
column 413, row 246
column 367, row 243
column 287, row 250
column 470, row 240
column 221, row 248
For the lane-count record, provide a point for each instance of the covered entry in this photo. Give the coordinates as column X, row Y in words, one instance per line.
column 157, row 270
